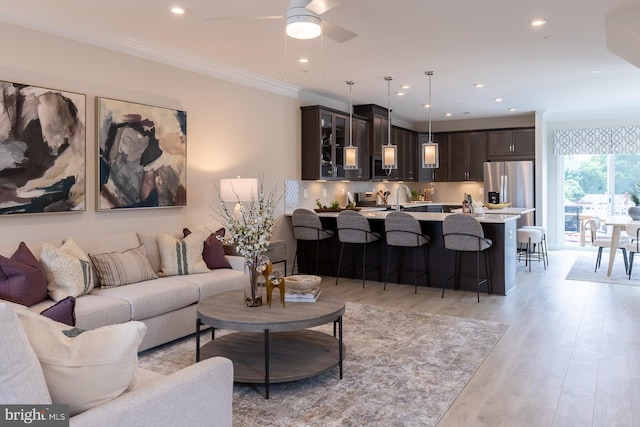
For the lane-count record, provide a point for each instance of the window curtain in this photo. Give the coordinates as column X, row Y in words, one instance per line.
column 613, row 140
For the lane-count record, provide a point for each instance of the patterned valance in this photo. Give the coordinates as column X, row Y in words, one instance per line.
column 613, row 140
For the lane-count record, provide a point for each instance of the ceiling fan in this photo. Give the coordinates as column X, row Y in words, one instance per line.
column 304, row 22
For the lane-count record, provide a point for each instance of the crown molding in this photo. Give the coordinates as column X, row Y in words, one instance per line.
column 153, row 52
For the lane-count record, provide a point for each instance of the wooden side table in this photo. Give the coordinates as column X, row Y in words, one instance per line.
column 276, row 251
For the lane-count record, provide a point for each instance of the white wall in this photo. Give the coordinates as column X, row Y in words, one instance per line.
column 231, row 130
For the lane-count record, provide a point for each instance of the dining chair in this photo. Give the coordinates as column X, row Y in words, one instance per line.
column 633, row 247
column 353, row 228
column 603, row 242
column 463, row 233
column 403, row 231
column 307, row 226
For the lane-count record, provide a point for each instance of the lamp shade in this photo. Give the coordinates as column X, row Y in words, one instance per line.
column 238, row 189
column 301, row 22
column 389, row 156
column 350, row 157
column 430, row 155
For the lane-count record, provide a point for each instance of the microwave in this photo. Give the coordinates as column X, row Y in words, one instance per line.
column 379, row 174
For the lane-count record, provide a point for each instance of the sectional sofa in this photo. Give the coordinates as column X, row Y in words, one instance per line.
column 166, row 305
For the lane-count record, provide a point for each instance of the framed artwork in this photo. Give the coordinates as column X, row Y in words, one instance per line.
column 142, row 156
column 42, row 150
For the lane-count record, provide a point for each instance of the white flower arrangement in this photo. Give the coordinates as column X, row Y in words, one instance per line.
column 251, row 230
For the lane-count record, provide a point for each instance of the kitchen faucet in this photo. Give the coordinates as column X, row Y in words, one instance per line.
column 398, row 196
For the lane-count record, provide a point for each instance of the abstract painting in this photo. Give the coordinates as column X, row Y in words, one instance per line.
column 142, row 155
column 42, row 150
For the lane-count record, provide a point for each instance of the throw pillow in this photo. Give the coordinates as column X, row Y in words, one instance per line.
column 62, row 311
column 21, row 377
column 90, row 369
column 213, row 252
column 68, row 269
column 180, row 257
column 22, row 278
column 122, row 268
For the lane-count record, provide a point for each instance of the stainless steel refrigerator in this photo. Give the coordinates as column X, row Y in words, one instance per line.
column 511, row 182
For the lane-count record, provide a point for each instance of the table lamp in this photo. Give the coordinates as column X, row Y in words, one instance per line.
column 238, row 190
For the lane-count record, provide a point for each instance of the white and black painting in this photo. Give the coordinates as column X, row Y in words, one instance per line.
column 42, row 150
column 143, row 155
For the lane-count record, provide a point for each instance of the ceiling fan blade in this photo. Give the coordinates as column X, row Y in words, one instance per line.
column 235, row 18
column 336, row 32
column 321, row 6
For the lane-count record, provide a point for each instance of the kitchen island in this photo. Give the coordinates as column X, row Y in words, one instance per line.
column 500, row 228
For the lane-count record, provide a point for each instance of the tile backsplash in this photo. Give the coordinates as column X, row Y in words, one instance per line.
column 303, row 194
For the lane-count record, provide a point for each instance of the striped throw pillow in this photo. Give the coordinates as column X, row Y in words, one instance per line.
column 181, row 257
column 122, row 268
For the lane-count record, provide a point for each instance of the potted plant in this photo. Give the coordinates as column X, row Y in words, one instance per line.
column 634, row 195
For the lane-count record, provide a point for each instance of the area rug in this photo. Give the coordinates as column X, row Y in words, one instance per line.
column 585, row 264
column 402, row 368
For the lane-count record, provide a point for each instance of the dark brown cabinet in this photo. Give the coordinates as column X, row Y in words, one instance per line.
column 378, row 126
column 440, row 173
column 325, row 133
column 511, row 144
column 466, row 156
column 407, row 142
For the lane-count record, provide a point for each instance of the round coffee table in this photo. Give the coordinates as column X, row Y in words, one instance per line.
column 272, row 345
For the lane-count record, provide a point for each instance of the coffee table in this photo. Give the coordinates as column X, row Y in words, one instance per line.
column 272, row 345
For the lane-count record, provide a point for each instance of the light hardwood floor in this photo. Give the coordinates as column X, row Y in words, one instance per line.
column 570, row 357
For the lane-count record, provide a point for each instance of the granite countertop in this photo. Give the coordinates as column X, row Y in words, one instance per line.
column 503, row 211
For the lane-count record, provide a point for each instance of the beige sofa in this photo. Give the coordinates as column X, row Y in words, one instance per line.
column 167, row 305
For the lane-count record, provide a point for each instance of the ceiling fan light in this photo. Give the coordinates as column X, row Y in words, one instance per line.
column 303, row 26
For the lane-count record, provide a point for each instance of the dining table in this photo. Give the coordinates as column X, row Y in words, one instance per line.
column 617, row 223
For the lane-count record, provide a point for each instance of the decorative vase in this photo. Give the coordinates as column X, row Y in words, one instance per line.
column 252, row 289
column 634, row 212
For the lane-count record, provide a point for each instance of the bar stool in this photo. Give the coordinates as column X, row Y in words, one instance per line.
column 463, row 233
column 542, row 230
column 354, row 228
column 307, row 226
column 605, row 242
column 527, row 239
column 633, row 230
column 403, row 231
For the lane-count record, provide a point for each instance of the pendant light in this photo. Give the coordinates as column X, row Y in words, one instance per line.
column 389, row 152
column 430, row 154
column 350, row 152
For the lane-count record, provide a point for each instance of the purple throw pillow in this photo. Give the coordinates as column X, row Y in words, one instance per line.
column 63, row 311
column 22, row 278
column 213, row 252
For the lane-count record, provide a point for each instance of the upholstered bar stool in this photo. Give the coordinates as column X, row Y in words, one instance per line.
column 633, row 230
column 463, row 233
column 307, row 226
column 354, row 228
column 542, row 230
column 403, row 231
column 530, row 243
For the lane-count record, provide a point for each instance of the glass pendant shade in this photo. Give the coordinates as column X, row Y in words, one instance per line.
column 389, row 157
column 350, row 157
column 430, row 155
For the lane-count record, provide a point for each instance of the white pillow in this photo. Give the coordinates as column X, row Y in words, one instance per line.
column 21, row 378
column 87, row 370
column 180, row 257
column 122, row 268
column 68, row 269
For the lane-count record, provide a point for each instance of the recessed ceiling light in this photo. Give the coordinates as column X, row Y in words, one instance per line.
column 512, row 109
column 479, row 85
column 405, row 86
column 538, row 22
column 177, row 10
column 448, row 114
column 497, row 99
column 303, row 60
column 596, row 72
column 427, row 106
column 400, row 93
